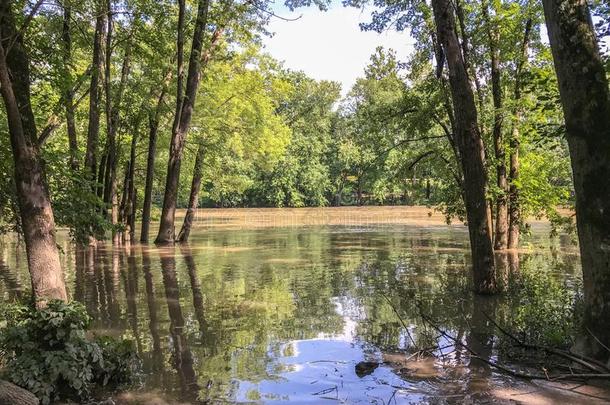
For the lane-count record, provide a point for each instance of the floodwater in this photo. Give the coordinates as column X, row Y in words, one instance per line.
column 287, row 313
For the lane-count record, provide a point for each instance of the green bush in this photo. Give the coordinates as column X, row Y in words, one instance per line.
column 46, row 351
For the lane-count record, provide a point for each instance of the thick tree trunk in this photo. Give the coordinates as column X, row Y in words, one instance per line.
column 32, row 193
column 68, row 92
column 514, row 210
column 501, row 230
column 583, row 87
column 94, row 94
column 185, row 232
column 180, row 131
column 470, row 144
column 10, row 394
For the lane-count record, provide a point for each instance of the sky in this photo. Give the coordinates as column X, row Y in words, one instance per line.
column 329, row 45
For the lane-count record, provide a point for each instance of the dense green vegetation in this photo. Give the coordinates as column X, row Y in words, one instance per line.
column 47, row 352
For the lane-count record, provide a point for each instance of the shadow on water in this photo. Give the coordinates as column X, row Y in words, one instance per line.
column 286, row 315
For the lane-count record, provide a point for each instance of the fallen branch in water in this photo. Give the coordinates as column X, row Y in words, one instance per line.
column 584, row 361
column 514, row 373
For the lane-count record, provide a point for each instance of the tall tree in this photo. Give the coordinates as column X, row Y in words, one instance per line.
column 182, row 121
column 493, row 37
column 94, row 92
column 514, row 209
column 585, row 98
column 68, row 91
column 33, row 197
column 471, row 149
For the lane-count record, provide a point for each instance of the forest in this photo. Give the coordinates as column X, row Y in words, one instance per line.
column 126, row 122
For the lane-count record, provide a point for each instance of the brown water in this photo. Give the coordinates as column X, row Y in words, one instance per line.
column 284, row 314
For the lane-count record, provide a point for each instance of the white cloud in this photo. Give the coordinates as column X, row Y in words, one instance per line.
column 330, row 45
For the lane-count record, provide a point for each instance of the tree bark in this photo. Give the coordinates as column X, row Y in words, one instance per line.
column 11, row 394
column 470, row 144
column 585, row 98
column 180, row 131
column 93, row 128
column 35, row 208
column 185, row 232
column 514, row 210
column 501, row 229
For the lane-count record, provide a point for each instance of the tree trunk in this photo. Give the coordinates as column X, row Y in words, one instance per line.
column 68, row 92
column 180, row 132
column 471, row 149
column 514, row 210
column 130, row 191
column 185, row 232
column 583, row 87
column 32, row 193
column 94, row 94
column 153, row 125
column 11, row 394
column 501, row 230
column 113, row 107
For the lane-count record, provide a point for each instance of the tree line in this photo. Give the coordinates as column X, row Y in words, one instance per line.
column 124, row 111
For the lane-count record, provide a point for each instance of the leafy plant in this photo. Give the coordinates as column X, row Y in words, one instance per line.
column 46, row 351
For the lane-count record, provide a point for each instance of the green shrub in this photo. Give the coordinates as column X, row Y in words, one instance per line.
column 46, row 351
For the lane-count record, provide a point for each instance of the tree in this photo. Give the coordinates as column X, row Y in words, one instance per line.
column 182, row 121
column 585, row 98
column 470, row 146
column 34, row 202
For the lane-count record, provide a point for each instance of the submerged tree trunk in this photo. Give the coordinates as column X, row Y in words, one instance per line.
column 180, row 131
column 183, row 236
column 472, row 153
column 32, row 193
column 583, row 87
column 501, row 229
column 514, row 210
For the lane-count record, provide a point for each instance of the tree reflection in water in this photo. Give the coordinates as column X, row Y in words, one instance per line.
column 283, row 314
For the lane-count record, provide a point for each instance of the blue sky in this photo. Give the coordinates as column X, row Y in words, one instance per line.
column 329, row 45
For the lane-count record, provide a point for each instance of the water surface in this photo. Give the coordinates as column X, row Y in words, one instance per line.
column 285, row 314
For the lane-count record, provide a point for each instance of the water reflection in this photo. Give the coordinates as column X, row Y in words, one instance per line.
column 287, row 314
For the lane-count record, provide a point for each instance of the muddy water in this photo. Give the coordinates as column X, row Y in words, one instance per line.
column 287, row 314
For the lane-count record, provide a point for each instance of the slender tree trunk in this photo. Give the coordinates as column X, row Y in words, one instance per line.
column 68, row 92
column 501, row 230
column 32, row 193
column 514, row 210
column 153, row 127
column 94, row 94
column 185, row 232
column 110, row 196
column 130, row 191
column 471, row 149
column 583, row 87
column 113, row 107
column 180, row 132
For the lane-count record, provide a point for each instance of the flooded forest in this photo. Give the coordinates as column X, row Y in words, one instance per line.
column 190, row 216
